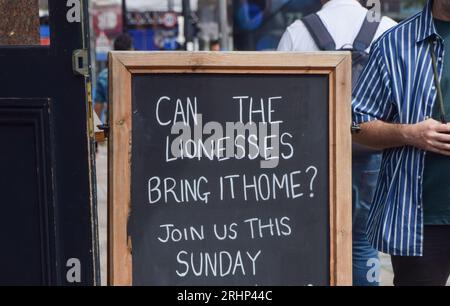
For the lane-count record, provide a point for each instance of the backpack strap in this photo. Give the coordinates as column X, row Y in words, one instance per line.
column 319, row 32
column 366, row 34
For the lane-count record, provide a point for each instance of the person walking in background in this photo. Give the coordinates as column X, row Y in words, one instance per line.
column 402, row 104
column 214, row 45
column 345, row 25
column 123, row 42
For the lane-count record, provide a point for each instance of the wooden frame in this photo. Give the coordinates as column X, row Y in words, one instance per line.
column 336, row 65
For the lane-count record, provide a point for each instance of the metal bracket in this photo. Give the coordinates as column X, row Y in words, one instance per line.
column 105, row 129
column 355, row 128
column 80, row 62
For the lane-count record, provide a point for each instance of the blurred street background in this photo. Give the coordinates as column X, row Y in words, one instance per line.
column 199, row 25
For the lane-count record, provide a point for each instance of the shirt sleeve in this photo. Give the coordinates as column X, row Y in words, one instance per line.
column 285, row 43
column 372, row 94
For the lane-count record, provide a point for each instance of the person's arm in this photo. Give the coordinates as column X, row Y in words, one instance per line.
column 428, row 135
column 374, row 108
column 99, row 108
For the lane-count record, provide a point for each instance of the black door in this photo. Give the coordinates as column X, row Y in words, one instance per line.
column 47, row 201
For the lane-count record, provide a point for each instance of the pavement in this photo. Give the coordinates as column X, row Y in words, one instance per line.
column 102, row 201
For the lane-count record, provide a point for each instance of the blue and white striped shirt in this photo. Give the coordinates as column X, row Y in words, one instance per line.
column 397, row 86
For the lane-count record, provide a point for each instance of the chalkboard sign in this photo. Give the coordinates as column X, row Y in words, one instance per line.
column 230, row 169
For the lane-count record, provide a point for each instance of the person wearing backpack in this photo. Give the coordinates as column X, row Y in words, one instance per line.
column 346, row 25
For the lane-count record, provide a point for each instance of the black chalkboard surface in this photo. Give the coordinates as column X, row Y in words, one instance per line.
column 203, row 221
column 229, row 168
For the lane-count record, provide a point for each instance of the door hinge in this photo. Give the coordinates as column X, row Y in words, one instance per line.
column 80, row 62
column 105, row 129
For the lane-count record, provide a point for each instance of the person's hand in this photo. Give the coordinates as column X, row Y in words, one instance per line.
column 430, row 135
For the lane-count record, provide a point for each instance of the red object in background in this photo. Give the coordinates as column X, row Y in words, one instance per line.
column 170, row 19
column 107, row 23
column 45, row 41
column 107, row 19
